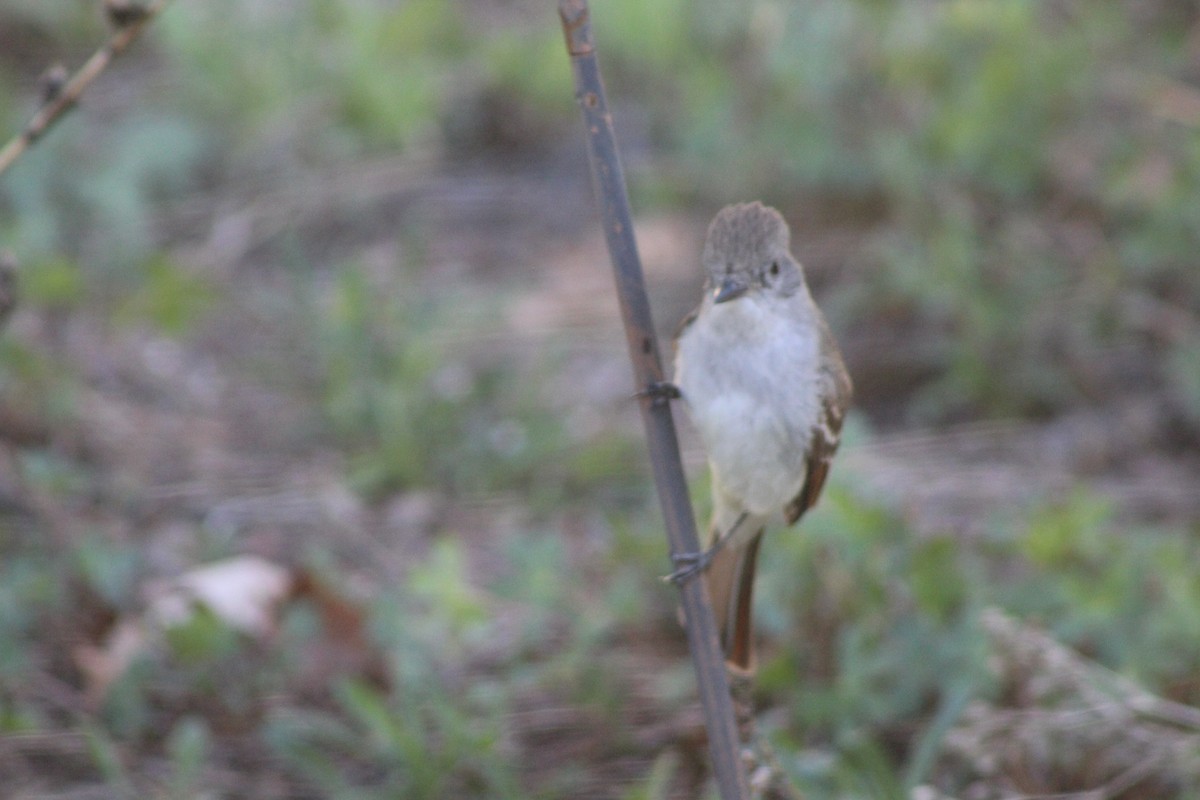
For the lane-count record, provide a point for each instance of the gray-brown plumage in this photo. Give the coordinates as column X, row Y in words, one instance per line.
column 765, row 384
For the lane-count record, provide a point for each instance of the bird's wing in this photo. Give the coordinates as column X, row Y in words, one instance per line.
column 835, row 399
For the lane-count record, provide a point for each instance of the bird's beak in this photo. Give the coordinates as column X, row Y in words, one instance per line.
column 730, row 289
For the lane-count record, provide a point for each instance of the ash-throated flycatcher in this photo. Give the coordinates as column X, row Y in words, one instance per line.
column 765, row 384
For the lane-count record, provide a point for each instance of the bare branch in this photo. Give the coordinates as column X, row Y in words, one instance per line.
column 59, row 98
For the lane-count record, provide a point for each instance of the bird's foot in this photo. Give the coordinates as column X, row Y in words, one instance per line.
column 660, row 392
column 689, row 565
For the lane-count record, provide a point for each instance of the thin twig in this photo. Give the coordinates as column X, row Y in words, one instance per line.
column 609, row 184
column 64, row 100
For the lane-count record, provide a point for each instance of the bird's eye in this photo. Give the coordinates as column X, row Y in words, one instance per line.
column 774, row 269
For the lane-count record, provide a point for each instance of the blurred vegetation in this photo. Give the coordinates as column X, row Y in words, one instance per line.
column 1021, row 180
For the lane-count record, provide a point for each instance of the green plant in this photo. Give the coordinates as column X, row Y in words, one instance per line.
column 411, row 412
column 414, row 410
column 167, row 298
column 884, row 641
column 417, row 741
column 188, row 748
column 334, row 61
column 27, row 583
column 432, row 730
column 1125, row 594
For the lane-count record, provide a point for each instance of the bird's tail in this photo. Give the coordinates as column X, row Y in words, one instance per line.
column 731, row 589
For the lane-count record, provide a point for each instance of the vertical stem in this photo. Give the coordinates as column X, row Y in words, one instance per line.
column 609, row 184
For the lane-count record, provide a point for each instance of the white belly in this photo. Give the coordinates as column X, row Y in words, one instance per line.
column 749, row 374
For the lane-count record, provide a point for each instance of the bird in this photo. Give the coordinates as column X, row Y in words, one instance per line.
column 766, row 387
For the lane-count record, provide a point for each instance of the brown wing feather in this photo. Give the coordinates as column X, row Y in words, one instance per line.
column 827, row 433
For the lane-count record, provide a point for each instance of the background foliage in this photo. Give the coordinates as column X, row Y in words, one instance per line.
column 319, row 281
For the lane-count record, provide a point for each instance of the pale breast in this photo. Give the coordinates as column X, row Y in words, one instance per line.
column 749, row 374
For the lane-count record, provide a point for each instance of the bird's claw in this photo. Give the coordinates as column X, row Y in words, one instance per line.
column 688, row 566
column 660, row 392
